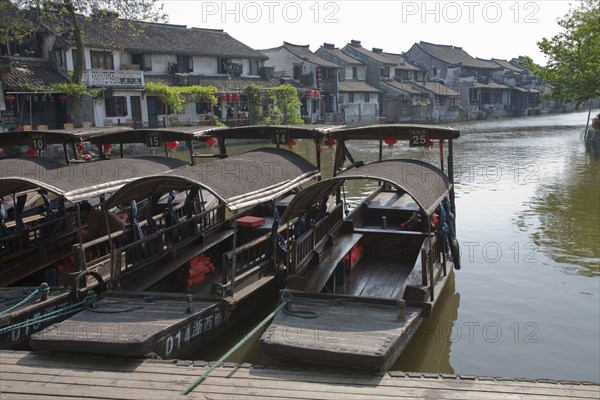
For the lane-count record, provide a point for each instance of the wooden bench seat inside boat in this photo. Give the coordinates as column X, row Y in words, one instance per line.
column 315, row 278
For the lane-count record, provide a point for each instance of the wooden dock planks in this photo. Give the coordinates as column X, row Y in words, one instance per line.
column 25, row 375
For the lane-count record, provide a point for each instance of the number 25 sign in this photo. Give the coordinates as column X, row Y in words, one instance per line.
column 418, row 137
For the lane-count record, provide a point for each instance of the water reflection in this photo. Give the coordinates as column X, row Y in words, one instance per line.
column 569, row 222
column 429, row 349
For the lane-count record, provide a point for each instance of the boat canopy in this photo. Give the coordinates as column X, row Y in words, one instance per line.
column 394, row 131
column 425, row 183
column 59, row 136
column 238, row 181
column 272, row 131
column 141, row 135
column 77, row 182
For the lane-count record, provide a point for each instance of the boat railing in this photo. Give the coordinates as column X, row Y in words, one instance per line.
column 301, row 249
column 432, row 255
column 152, row 245
column 33, row 236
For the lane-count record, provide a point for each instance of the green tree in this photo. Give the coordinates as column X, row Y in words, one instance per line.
column 67, row 18
column 287, row 105
column 573, row 67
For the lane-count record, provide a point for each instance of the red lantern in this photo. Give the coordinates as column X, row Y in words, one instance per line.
column 223, row 97
column 237, row 97
column 390, row 142
column 63, row 98
column 291, row 143
column 330, row 143
column 230, row 97
column 107, row 147
column 172, row 145
column 1, row 151
column 317, row 94
column 312, row 93
column 31, row 153
column 430, row 144
column 80, row 148
column 211, row 141
column 10, row 97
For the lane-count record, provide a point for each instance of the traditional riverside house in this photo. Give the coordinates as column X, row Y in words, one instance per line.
column 388, row 72
column 358, row 99
column 122, row 55
column 444, row 100
column 26, row 102
column 316, row 77
column 456, row 68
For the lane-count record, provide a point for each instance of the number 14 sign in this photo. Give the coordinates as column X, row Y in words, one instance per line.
column 418, row 137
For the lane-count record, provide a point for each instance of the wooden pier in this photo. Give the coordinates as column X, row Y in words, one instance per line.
column 26, row 375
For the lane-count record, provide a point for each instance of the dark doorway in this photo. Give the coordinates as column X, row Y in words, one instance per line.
column 136, row 108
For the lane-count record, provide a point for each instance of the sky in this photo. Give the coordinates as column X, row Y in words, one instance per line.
column 500, row 29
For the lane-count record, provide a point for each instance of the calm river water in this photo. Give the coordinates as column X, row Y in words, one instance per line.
column 526, row 302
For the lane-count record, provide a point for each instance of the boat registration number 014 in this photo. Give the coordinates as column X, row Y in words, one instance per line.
column 418, row 137
column 153, row 139
column 37, row 141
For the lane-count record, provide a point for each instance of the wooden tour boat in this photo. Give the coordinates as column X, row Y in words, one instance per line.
column 359, row 285
column 40, row 245
column 186, row 278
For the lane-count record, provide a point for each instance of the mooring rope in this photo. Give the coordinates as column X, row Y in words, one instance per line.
column 239, row 344
column 26, row 299
column 89, row 299
column 286, row 299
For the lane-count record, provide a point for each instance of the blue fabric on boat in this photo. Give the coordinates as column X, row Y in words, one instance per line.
column 280, row 242
column 136, row 228
column 152, row 247
column 50, row 215
column 19, row 207
column 173, row 218
column 443, row 227
column 4, row 231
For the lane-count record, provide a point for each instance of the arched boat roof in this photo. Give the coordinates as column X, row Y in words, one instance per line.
column 238, row 181
column 172, row 134
column 77, row 182
column 425, row 183
column 393, row 131
column 269, row 131
column 59, row 136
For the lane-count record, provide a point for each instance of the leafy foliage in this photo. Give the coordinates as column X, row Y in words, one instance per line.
column 74, row 89
column 176, row 96
column 573, row 67
column 277, row 105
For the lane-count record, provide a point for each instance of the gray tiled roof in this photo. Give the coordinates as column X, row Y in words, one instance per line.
column 379, row 57
column 337, row 52
column 146, row 37
column 29, row 74
column 454, row 55
column 402, row 62
column 303, row 52
column 508, row 65
column 437, row 88
column 358, row 86
column 405, row 87
column 491, row 85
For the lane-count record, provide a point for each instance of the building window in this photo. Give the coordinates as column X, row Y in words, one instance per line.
column 102, row 60
column 58, row 55
column 203, row 107
column 350, row 97
column 143, row 60
column 354, row 73
column 434, row 71
column 366, row 97
column 185, row 63
column 297, row 72
column 74, row 55
column 224, row 63
column 253, row 67
column 116, row 106
column 416, row 78
column 384, row 72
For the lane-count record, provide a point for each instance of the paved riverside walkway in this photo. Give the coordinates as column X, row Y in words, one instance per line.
column 29, row 375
